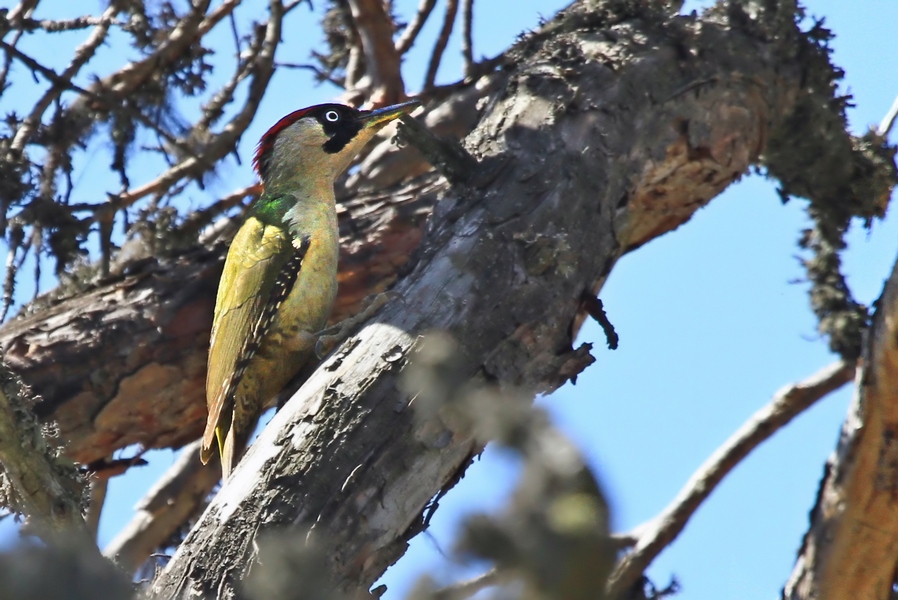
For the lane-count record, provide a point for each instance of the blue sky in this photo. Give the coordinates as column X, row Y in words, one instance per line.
column 711, row 325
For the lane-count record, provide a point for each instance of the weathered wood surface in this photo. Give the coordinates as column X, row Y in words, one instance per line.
column 601, row 132
column 851, row 549
column 605, row 136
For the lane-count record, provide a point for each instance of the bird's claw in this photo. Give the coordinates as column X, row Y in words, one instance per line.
column 331, row 336
column 326, row 343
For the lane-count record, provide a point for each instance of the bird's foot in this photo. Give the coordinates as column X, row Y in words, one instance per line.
column 333, row 335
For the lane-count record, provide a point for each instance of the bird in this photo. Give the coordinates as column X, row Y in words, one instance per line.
column 280, row 273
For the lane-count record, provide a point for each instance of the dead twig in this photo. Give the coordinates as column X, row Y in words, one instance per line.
column 788, row 403
column 437, row 56
column 594, row 307
column 467, row 588
column 410, row 34
column 467, row 45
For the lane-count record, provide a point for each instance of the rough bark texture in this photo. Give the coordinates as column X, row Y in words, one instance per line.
column 607, row 128
column 139, row 355
column 33, row 479
column 605, row 136
column 851, row 549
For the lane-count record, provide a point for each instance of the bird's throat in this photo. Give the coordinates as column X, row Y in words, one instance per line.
column 313, row 215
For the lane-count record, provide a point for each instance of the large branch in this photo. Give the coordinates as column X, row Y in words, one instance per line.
column 592, row 148
column 851, row 549
column 382, row 60
column 176, row 497
column 607, row 130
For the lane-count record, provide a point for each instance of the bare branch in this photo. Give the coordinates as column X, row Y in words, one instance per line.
column 189, row 29
column 222, row 143
column 885, row 126
column 7, row 60
column 22, row 11
column 664, row 528
column 61, row 82
column 83, row 54
column 121, row 83
column 467, row 45
column 381, row 58
column 320, row 74
column 437, row 56
column 214, row 108
column 16, row 239
column 179, row 494
column 53, row 26
column 235, row 35
column 408, row 37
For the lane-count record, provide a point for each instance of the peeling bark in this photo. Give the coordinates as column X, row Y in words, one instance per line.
column 851, row 549
column 607, row 128
column 591, row 149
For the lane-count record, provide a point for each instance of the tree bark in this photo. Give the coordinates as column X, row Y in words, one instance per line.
column 851, row 549
column 606, row 135
column 608, row 127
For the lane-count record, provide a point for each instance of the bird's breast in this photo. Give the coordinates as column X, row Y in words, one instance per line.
column 307, row 307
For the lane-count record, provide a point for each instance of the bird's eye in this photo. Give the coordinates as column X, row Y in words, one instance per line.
column 332, row 116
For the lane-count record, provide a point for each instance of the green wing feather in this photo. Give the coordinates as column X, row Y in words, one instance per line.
column 257, row 255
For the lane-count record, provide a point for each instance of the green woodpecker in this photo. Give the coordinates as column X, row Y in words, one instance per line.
column 280, row 275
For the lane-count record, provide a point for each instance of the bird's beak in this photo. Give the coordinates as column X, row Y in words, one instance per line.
column 382, row 116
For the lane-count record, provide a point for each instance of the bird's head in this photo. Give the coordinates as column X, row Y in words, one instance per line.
column 320, row 142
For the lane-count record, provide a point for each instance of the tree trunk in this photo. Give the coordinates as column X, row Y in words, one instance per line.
column 608, row 127
column 607, row 134
column 851, row 549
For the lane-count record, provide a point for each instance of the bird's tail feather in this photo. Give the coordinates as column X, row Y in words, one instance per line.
column 227, row 451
